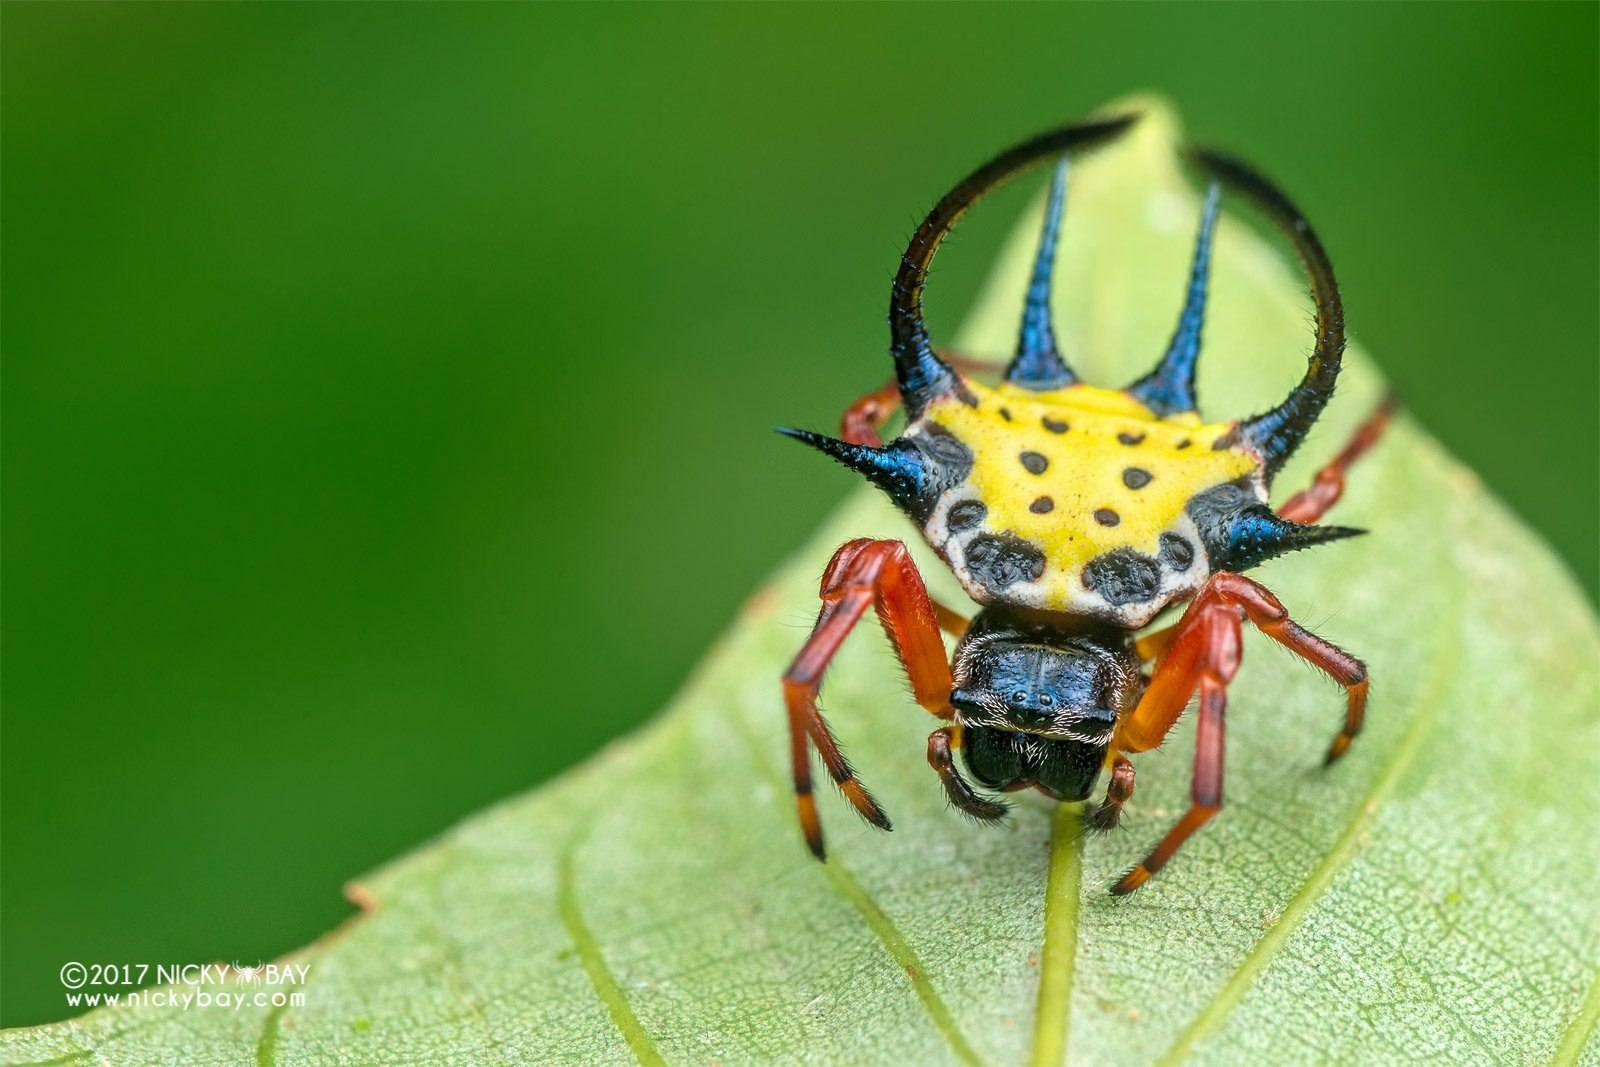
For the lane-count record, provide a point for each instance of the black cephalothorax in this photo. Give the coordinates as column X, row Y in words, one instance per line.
column 1039, row 704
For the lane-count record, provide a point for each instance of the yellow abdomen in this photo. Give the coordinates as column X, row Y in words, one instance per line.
column 1074, row 500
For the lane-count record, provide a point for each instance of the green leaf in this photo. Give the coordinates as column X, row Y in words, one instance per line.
column 1432, row 897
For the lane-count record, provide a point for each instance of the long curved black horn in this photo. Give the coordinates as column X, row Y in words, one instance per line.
column 1038, row 363
column 1278, row 432
column 1169, row 388
column 922, row 375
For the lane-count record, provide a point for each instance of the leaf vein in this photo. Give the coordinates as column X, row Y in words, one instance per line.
column 605, row 984
column 59, row 1061
column 1343, row 850
column 1581, row 1029
column 903, row 954
column 267, row 1043
column 877, row 920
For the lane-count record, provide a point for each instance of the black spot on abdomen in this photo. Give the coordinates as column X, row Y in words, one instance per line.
column 1054, row 425
column 1033, row 462
column 966, row 515
column 1135, row 477
column 1107, row 517
column 948, row 456
column 1123, row 576
column 1175, row 552
column 999, row 561
column 1042, row 506
column 1130, row 438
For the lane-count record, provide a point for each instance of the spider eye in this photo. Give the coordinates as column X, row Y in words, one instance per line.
column 1019, row 697
column 1045, row 700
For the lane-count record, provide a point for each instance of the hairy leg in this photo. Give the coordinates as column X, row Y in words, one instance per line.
column 941, row 745
column 1312, row 503
column 1202, row 653
column 863, row 573
column 866, row 415
column 1209, row 644
column 1118, row 790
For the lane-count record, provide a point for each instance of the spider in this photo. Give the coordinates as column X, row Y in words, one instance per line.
column 1073, row 515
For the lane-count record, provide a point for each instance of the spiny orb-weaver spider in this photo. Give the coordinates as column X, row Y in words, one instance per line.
column 1073, row 515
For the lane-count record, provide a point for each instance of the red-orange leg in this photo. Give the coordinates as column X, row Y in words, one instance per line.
column 1217, row 633
column 1155, row 642
column 1311, row 504
column 865, row 417
column 863, row 573
column 951, row 622
column 1118, row 791
column 941, row 757
column 1203, row 654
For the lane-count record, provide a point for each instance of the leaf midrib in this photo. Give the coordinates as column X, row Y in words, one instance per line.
column 1058, row 952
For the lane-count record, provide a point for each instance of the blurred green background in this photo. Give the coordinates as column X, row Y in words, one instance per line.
column 388, row 388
